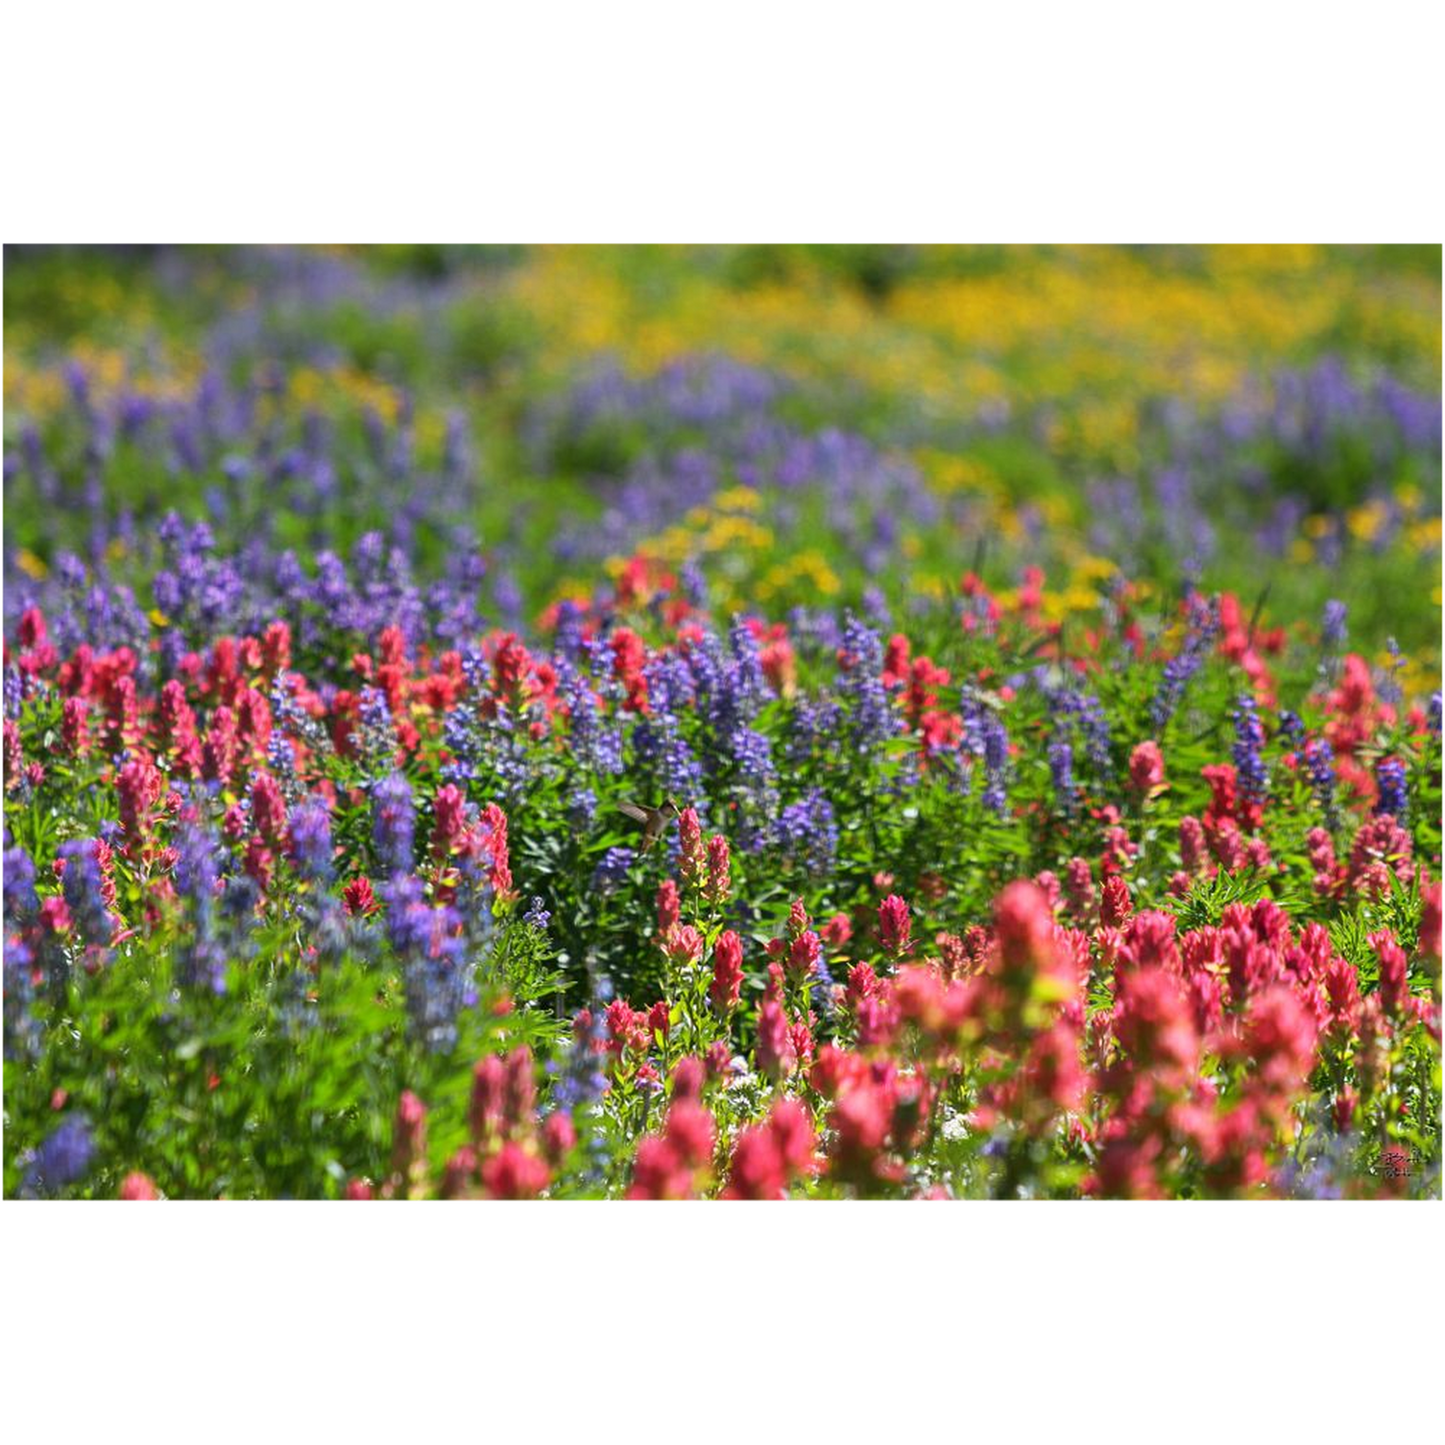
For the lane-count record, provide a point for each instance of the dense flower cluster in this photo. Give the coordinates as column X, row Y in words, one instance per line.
column 763, row 845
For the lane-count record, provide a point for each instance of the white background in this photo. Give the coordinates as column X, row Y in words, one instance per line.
column 879, row 122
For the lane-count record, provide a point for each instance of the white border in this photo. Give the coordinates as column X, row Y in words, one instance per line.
column 1069, row 1321
column 784, row 120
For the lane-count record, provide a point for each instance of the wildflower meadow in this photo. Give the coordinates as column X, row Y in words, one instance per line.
column 722, row 722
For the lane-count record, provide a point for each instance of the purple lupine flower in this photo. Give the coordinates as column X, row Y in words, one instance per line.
column 281, row 762
column 808, row 831
column 748, row 685
column 22, row 1029
column 311, row 842
column 432, row 945
column 875, row 604
column 1061, row 771
column 711, row 684
column 1203, row 627
column 1394, row 788
column 1252, row 777
column 669, row 681
column 814, row 632
column 1094, row 726
column 63, row 1159
column 70, row 571
column 201, row 960
column 393, row 823
column 502, row 747
column 1316, row 1179
column 693, row 583
column 568, row 638
column 659, row 741
column 290, row 718
column 870, row 719
column 810, row 726
column 408, row 919
column 507, row 597
column 1319, row 760
column 456, row 448
column 986, row 738
column 459, row 731
column 1069, row 707
column 173, row 649
column 611, row 872
column 754, row 787
column 239, row 895
column 582, row 808
column 1291, row 730
column 20, row 897
column 1333, row 631
column 594, row 743
column 376, row 737
column 14, row 692
column 166, row 592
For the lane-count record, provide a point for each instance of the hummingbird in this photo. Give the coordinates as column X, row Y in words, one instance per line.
column 653, row 820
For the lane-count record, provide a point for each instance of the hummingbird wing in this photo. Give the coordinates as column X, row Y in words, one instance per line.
column 633, row 811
